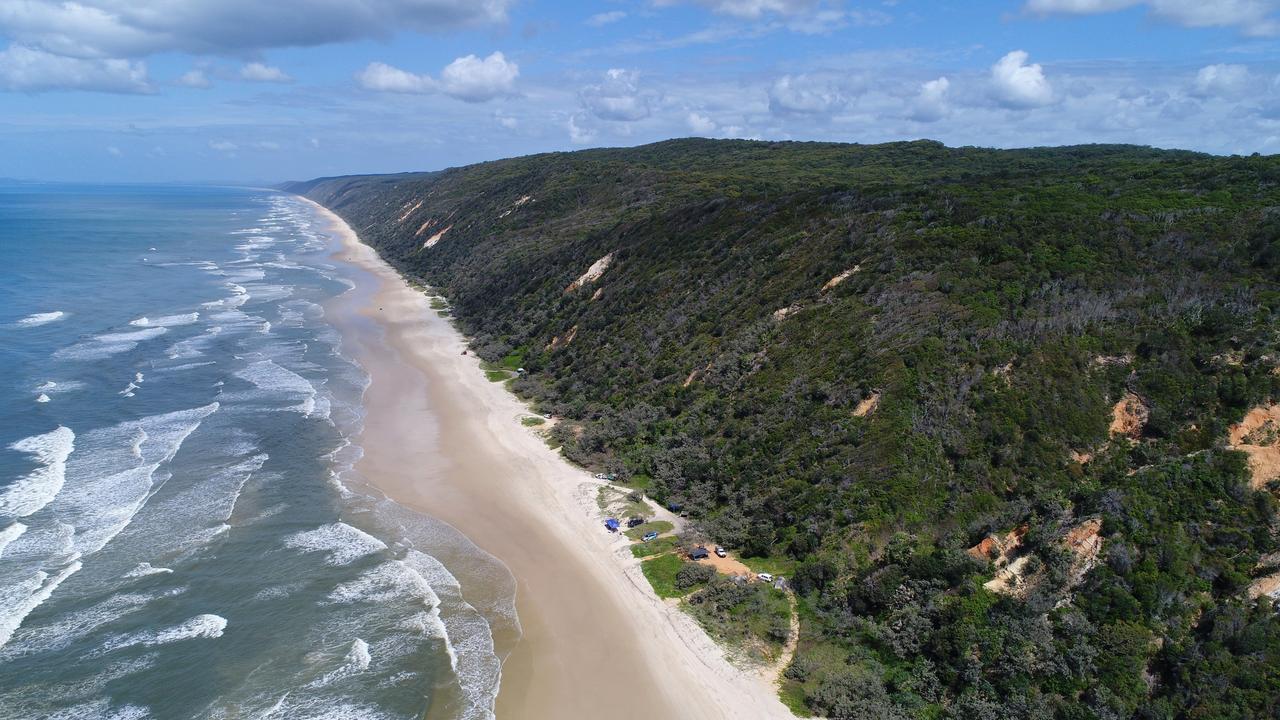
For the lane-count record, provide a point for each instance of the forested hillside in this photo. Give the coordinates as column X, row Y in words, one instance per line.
column 986, row 399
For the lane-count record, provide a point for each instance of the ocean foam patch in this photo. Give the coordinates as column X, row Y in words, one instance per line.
column 354, row 662
column 387, row 582
column 39, row 487
column 144, row 569
column 41, row 318
column 9, row 534
column 342, row 542
column 469, row 639
column 104, row 346
column 166, row 320
column 201, row 626
column 101, row 710
column 17, row 600
column 266, row 375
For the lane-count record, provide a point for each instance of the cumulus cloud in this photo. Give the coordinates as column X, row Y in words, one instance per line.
column 1220, row 81
column 700, row 124
column 578, row 133
column 469, row 78
column 618, row 97
column 1251, row 17
column 32, row 70
column 806, row 94
column 223, row 146
column 194, row 78
column 1016, row 84
column 605, row 18
column 257, row 72
column 130, row 29
column 930, row 103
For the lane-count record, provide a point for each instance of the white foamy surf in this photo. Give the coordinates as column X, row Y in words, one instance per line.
column 38, row 488
column 342, row 543
column 41, row 318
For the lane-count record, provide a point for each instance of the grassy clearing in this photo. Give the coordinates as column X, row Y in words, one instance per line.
column 655, row 547
column 792, row 695
column 774, row 565
column 661, row 573
column 439, row 304
column 532, row 421
column 659, row 526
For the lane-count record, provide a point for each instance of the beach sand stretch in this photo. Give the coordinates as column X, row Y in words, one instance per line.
column 442, row 439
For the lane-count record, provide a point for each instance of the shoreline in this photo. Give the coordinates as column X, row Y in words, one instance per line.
column 442, row 439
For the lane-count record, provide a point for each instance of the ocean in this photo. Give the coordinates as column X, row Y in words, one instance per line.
column 183, row 533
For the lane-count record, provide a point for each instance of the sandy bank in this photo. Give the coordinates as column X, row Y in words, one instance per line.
column 442, row 439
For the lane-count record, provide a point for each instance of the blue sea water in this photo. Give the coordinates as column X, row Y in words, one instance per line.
column 182, row 532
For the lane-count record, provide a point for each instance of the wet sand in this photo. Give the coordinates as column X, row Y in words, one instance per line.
column 442, row 439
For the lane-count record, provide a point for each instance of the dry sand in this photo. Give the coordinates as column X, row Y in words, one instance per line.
column 440, row 438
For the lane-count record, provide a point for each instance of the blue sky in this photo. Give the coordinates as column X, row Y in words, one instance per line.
column 246, row 90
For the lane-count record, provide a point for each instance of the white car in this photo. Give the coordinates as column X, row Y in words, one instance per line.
column 720, row 551
column 765, row 577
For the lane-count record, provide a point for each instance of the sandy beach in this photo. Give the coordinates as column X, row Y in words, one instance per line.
column 442, row 439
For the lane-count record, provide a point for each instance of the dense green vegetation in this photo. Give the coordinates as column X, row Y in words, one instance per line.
column 1003, row 302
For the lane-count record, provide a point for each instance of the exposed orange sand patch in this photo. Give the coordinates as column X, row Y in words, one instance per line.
column 593, row 273
column 1258, row 435
column 560, row 341
column 431, row 241
column 425, row 226
column 410, row 211
column 1129, row 417
column 841, row 278
column 1084, row 541
column 867, row 405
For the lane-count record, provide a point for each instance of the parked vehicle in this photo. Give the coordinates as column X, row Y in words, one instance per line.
column 720, row 551
column 698, row 553
column 765, row 577
column 635, row 521
column 650, row 536
column 611, row 524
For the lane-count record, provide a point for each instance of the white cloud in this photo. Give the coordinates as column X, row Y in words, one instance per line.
column 1221, row 80
column 223, row 146
column 1251, row 17
column 753, row 9
column 805, row 94
column 129, row 28
column 381, row 77
column 114, row 151
column 474, row 80
column 617, row 97
column 506, row 121
column 469, row 78
column 32, row 70
column 257, row 72
column 195, row 78
column 579, row 135
column 930, row 103
column 605, row 18
column 700, row 124
column 810, row 17
column 1016, row 84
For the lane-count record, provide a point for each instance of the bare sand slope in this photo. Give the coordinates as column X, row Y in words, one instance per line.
column 442, row 439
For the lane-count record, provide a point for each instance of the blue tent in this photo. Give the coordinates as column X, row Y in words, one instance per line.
column 611, row 524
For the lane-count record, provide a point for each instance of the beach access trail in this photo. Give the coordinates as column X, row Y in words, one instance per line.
column 442, row 439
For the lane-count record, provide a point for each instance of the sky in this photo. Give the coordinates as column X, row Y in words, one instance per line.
column 264, row 91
